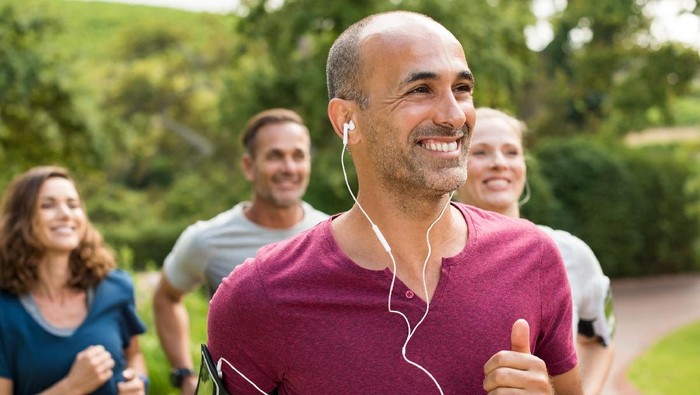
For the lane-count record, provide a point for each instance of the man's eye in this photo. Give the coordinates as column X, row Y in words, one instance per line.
column 274, row 156
column 466, row 88
column 420, row 89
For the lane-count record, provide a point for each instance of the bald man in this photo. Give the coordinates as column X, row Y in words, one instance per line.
column 407, row 292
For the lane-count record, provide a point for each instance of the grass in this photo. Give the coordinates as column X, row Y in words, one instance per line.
column 93, row 29
column 671, row 365
column 197, row 304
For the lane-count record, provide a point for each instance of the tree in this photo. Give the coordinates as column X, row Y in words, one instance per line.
column 162, row 97
column 602, row 72
column 40, row 118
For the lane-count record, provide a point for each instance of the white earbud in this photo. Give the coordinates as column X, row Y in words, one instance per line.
column 346, row 127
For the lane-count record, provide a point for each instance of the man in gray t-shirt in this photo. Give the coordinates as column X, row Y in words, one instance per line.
column 277, row 163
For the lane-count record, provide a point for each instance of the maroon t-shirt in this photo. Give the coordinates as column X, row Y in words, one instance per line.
column 303, row 317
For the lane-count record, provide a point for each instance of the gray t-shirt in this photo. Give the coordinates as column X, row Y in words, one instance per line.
column 207, row 251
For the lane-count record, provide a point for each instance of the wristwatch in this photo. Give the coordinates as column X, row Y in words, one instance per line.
column 177, row 375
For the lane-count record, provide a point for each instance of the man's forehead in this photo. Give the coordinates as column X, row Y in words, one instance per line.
column 416, row 55
column 410, row 36
column 395, row 25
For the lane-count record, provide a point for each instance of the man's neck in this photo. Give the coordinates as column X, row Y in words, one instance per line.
column 275, row 217
column 404, row 227
column 406, row 236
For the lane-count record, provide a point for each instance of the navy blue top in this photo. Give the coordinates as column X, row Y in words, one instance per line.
column 35, row 358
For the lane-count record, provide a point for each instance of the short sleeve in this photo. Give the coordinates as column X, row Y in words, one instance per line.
column 185, row 265
column 131, row 323
column 243, row 329
column 557, row 346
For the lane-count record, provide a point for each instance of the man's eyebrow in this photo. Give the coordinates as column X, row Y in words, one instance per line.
column 419, row 76
column 429, row 75
column 466, row 75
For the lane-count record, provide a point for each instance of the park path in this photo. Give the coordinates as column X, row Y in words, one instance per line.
column 647, row 309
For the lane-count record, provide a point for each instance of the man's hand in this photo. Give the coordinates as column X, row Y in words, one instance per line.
column 517, row 369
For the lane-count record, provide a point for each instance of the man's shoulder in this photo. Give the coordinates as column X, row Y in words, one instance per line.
column 231, row 218
column 298, row 247
column 311, row 214
column 493, row 221
column 487, row 227
column 276, row 263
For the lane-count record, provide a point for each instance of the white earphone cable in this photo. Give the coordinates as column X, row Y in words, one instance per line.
column 220, row 373
column 386, row 246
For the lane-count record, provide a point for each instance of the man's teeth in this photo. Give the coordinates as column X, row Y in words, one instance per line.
column 442, row 147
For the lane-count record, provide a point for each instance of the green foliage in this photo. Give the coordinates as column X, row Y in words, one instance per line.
column 632, row 101
column 595, row 190
column 634, row 208
column 542, row 207
column 664, row 214
column 612, row 81
column 145, row 105
column 94, row 26
column 197, row 305
column 670, row 366
column 40, row 119
column 685, row 108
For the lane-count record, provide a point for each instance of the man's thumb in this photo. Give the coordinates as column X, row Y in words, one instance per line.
column 520, row 336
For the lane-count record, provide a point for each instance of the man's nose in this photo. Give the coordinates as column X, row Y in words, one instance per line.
column 451, row 112
column 289, row 164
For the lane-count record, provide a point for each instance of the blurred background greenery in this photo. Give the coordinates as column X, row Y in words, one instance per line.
column 670, row 365
column 145, row 106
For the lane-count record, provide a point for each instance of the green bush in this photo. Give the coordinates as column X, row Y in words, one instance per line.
column 664, row 219
column 149, row 243
column 542, row 207
column 634, row 207
column 598, row 194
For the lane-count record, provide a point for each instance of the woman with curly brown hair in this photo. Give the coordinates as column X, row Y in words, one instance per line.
column 68, row 321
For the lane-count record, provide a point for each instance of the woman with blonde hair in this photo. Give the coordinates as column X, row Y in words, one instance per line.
column 68, row 321
column 496, row 179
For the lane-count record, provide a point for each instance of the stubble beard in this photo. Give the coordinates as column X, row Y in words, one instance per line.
column 410, row 172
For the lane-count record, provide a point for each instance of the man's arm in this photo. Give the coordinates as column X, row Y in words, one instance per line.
column 568, row 383
column 595, row 361
column 172, row 324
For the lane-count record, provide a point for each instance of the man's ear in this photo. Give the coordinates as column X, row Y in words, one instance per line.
column 340, row 113
column 247, row 166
